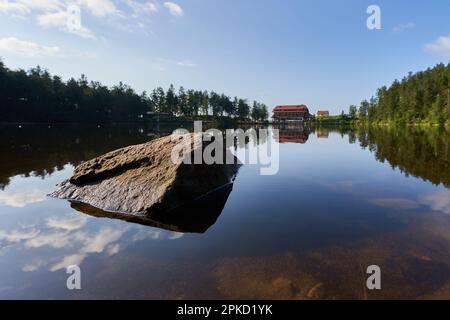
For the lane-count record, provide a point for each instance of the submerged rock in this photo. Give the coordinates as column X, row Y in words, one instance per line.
column 143, row 179
column 196, row 216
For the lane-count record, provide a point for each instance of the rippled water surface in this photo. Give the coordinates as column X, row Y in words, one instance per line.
column 341, row 201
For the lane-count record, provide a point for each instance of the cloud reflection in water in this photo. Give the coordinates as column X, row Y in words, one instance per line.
column 71, row 235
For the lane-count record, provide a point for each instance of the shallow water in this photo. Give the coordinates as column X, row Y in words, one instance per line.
column 341, row 201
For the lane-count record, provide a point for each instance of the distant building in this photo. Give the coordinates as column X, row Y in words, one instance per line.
column 323, row 113
column 291, row 113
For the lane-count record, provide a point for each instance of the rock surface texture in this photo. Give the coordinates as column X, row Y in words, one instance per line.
column 143, row 179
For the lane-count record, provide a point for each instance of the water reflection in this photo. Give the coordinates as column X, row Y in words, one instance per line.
column 60, row 233
column 293, row 133
column 71, row 240
column 359, row 197
column 30, row 188
column 438, row 201
column 38, row 151
column 419, row 152
column 196, row 216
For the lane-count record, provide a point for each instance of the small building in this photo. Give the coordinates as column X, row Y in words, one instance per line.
column 292, row 113
column 323, row 113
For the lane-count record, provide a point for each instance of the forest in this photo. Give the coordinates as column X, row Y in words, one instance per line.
column 37, row 96
column 422, row 97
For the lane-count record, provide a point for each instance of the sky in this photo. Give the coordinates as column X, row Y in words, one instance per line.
column 314, row 52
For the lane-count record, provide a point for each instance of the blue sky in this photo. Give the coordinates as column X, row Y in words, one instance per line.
column 319, row 53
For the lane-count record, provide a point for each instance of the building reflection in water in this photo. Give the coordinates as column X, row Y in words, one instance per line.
column 293, row 133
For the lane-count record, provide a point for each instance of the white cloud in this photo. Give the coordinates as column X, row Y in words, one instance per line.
column 176, row 235
column 72, row 243
column 100, row 8
column 53, row 240
column 13, row 7
column 67, row 235
column 149, row 7
column 104, row 240
column 174, row 8
column 440, row 47
column 438, row 201
column 403, row 27
column 27, row 48
column 17, row 236
column 23, row 7
column 45, row 5
column 24, row 198
column 22, row 191
column 155, row 234
column 54, row 13
column 92, row 244
column 101, row 240
column 34, row 265
column 139, row 8
column 112, row 249
column 67, row 223
column 74, row 259
column 146, row 233
column 82, row 32
column 59, row 20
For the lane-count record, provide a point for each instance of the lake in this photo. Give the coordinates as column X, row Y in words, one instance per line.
column 343, row 199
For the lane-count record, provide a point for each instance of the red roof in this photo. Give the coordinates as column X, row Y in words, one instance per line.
column 291, row 108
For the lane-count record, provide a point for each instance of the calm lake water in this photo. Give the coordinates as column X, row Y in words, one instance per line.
column 341, row 201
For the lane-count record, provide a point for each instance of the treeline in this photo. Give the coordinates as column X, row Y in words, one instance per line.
column 423, row 97
column 37, row 96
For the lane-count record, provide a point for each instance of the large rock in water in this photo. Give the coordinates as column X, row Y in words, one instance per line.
column 143, row 179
